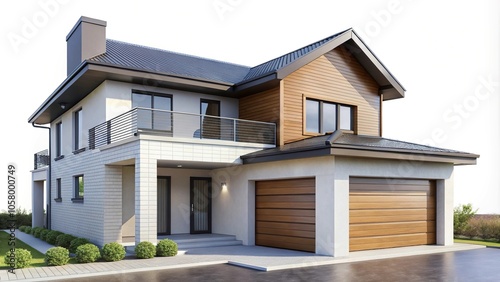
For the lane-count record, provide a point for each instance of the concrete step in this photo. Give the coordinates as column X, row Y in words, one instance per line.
column 185, row 242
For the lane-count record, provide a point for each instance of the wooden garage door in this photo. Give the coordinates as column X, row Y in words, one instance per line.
column 388, row 213
column 285, row 214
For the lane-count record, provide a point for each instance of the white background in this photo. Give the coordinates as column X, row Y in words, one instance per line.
column 445, row 53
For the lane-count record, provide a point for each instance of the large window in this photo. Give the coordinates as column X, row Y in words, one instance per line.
column 324, row 117
column 58, row 139
column 210, row 123
column 154, row 110
column 77, row 125
column 79, row 188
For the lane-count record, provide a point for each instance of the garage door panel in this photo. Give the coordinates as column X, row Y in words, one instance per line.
column 287, row 232
column 286, row 191
column 383, row 229
column 285, row 226
column 388, row 242
column 284, row 218
column 386, row 213
column 389, row 205
column 285, row 214
column 286, row 242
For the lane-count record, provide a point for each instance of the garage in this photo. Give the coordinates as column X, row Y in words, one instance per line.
column 285, row 214
column 389, row 213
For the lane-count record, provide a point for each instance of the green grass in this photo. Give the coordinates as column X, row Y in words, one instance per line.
column 478, row 242
column 38, row 258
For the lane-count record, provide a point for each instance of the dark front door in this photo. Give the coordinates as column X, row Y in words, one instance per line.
column 163, row 205
column 201, row 205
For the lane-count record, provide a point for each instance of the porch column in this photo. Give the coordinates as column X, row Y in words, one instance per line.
column 444, row 212
column 145, row 198
column 38, row 179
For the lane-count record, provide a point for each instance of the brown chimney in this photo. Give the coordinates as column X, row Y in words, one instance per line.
column 86, row 40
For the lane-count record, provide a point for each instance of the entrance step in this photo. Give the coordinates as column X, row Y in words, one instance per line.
column 191, row 241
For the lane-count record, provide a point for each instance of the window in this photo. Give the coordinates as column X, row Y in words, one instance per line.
column 58, row 190
column 58, row 139
column 77, row 125
column 210, row 123
column 323, row 117
column 158, row 119
column 78, row 188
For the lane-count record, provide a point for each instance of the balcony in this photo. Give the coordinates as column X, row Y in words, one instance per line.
column 42, row 159
column 180, row 125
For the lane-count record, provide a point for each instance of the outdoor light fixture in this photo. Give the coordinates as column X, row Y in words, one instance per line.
column 223, row 185
column 63, row 105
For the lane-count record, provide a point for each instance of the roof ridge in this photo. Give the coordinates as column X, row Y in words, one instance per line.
column 322, row 41
column 172, row 52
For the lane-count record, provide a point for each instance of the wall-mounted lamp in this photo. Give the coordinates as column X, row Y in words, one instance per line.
column 223, row 185
column 63, row 105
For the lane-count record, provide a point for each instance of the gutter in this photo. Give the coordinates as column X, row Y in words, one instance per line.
column 49, row 180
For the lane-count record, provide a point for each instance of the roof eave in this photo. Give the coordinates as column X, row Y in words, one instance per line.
column 90, row 74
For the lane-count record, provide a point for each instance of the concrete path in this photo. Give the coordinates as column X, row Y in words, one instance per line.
column 255, row 257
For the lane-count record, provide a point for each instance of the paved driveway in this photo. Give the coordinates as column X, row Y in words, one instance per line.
column 472, row 265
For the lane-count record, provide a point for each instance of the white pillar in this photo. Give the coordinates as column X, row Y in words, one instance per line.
column 145, row 198
column 325, row 211
column 444, row 212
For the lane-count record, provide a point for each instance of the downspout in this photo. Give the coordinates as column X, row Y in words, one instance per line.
column 49, row 180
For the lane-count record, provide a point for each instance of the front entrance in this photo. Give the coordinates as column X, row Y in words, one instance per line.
column 201, row 205
column 163, row 205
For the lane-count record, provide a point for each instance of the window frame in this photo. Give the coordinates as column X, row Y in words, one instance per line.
column 152, row 96
column 77, row 130
column 76, row 188
column 321, row 115
column 58, row 138
column 58, row 190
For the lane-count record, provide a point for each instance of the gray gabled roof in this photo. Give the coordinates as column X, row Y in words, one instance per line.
column 139, row 64
column 282, row 61
column 156, row 60
column 348, row 144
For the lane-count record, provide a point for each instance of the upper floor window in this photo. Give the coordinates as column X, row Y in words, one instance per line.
column 77, row 125
column 323, row 117
column 155, row 112
column 58, row 139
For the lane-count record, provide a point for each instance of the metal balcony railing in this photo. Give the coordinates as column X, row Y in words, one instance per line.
column 42, row 159
column 180, row 125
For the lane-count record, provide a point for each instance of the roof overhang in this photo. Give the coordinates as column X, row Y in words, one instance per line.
column 90, row 75
column 363, row 152
column 389, row 86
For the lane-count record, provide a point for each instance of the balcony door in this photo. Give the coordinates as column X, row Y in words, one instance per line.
column 163, row 205
column 209, row 120
column 201, row 205
column 155, row 110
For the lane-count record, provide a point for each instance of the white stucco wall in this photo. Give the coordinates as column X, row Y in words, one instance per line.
column 234, row 209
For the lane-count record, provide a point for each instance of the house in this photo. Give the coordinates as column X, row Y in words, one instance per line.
column 287, row 154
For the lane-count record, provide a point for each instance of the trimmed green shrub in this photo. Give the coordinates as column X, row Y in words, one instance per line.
column 166, row 248
column 461, row 215
column 21, row 228
column 52, row 236
column 27, row 230
column 37, row 232
column 43, row 234
column 145, row 250
column 64, row 240
column 113, row 252
column 57, row 256
column 87, row 253
column 22, row 259
column 75, row 243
